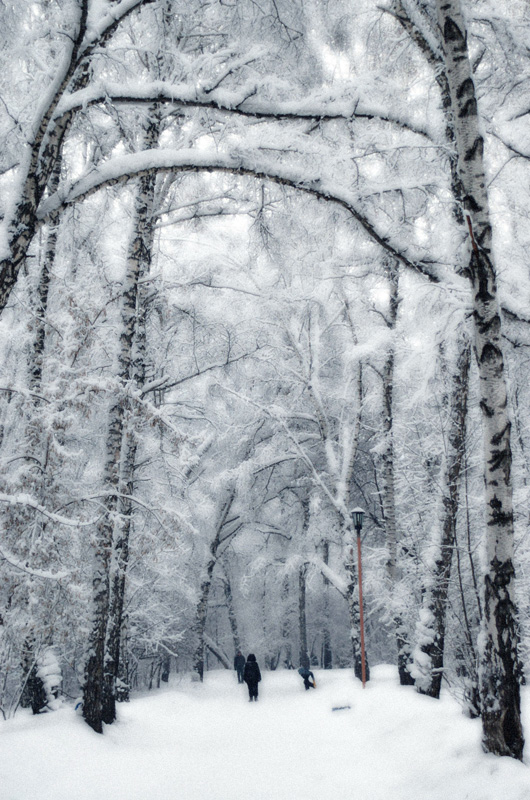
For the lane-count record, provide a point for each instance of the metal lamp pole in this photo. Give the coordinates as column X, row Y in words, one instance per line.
column 357, row 518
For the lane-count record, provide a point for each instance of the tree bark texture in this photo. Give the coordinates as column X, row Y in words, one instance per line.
column 112, row 533
column 500, row 667
column 429, row 660
column 303, row 655
column 327, row 654
column 404, row 650
column 287, row 624
column 436, row 61
column 132, row 370
column 202, row 605
column 232, row 619
column 352, row 588
column 303, row 652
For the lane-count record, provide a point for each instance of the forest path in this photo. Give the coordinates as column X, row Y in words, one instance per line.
column 207, row 742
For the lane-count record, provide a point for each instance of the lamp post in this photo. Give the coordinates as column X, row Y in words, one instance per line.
column 357, row 515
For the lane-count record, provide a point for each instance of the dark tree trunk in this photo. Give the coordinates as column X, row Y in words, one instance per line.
column 287, row 624
column 46, row 145
column 227, row 588
column 303, row 655
column 166, row 668
column 33, row 693
column 202, row 605
column 200, row 619
column 327, row 655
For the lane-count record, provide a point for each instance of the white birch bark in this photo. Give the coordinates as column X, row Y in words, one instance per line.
column 112, row 534
column 500, row 668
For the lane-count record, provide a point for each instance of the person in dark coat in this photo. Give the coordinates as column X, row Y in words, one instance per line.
column 239, row 665
column 252, row 676
column 309, row 678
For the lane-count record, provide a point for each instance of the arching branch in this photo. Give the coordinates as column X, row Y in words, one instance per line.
column 124, row 168
column 240, row 103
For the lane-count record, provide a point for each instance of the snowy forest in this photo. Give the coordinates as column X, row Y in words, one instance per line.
column 263, row 263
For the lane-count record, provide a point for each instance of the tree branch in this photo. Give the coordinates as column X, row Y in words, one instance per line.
column 124, row 168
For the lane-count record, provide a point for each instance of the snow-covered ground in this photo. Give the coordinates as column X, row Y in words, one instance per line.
column 193, row 742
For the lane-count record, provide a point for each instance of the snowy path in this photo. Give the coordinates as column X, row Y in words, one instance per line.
column 207, row 742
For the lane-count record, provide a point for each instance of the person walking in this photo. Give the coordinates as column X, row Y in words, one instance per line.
column 252, row 676
column 239, row 665
column 308, row 677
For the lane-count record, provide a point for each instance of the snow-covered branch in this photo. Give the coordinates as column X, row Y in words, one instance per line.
column 218, row 652
column 242, row 102
column 13, row 561
column 333, row 577
column 162, row 383
column 22, row 499
column 123, row 168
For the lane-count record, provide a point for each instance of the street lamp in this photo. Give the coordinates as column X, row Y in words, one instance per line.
column 357, row 516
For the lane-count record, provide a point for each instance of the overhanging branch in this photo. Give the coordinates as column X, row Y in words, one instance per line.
column 241, row 103
column 125, row 168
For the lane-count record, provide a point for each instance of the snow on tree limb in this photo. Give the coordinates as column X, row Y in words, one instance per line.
column 101, row 29
column 218, row 652
column 123, row 168
column 22, row 499
column 13, row 561
column 242, row 102
column 333, row 577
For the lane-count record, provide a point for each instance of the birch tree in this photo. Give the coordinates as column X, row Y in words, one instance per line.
column 500, row 667
column 47, row 134
column 429, row 656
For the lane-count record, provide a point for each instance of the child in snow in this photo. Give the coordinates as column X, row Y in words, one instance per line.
column 252, row 676
column 309, row 678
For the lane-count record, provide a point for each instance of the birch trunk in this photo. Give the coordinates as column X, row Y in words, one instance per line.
column 303, row 654
column 500, row 668
column 33, row 694
column 429, row 658
column 202, row 605
column 327, row 655
column 232, row 619
column 404, row 654
column 287, row 625
column 48, row 136
column 352, row 588
column 45, row 148
column 112, row 533
column 138, row 265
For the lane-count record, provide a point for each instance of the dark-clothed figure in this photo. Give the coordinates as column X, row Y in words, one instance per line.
column 239, row 665
column 309, row 678
column 252, row 676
